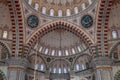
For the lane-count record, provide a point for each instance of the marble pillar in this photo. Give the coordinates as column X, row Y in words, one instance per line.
column 17, row 69
column 103, row 68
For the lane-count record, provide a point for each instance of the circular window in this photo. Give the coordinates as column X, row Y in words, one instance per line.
column 33, row 21
column 87, row 21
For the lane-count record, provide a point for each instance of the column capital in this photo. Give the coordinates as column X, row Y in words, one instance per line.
column 102, row 61
column 17, row 62
column 17, row 67
column 103, row 68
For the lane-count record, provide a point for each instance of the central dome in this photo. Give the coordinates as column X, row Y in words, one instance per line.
column 62, row 2
column 60, row 8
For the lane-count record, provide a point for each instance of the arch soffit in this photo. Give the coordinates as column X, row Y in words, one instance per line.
column 6, row 47
column 88, row 57
column 56, row 60
column 43, row 60
column 113, row 47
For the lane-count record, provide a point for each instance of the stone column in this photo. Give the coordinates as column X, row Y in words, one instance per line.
column 17, row 69
column 103, row 68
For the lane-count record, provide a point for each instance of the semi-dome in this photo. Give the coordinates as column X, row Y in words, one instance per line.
column 61, row 42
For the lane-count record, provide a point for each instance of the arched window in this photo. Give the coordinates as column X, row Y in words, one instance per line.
column 53, row 52
column 66, row 51
column 77, row 67
column 36, row 6
column 40, row 49
column 83, row 6
column 51, row 12
column 60, row 13
column 68, row 13
column 76, row 10
column 36, row 66
column 115, row 55
column 54, row 70
column 41, row 67
column 60, row 53
column 5, row 34
column 44, row 10
column 30, row 2
column 46, row 51
column 59, row 70
column 90, row 1
column 65, row 70
column 83, row 66
column 79, row 49
column 73, row 50
column 114, row 34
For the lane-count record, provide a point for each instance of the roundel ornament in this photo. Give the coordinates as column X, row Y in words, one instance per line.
column 87, row 21
column 33, row 21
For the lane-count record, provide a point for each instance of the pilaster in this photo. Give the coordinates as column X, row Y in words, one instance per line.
column 17, row 68
column 103, row 68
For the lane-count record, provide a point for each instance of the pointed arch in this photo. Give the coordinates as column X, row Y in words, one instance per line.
column 55, row 25
column 6, row 47
column 113, row 47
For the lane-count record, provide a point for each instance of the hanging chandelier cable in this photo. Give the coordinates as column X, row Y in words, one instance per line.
column 36, row 58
